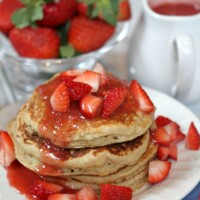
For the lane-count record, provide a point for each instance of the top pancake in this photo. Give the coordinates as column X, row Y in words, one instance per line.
column 72, row 129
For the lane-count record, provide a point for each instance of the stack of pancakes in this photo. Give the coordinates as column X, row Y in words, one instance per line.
column 80, row 152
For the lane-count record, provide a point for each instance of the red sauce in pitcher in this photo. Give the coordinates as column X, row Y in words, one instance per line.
column 177, row 9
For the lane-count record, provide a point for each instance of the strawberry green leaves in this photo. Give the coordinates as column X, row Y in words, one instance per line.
column 108, row 10
column 29, row 14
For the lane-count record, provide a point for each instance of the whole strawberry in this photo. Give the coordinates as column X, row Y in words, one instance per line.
column 35, row 42
column 58, row 12
column 87, row 35
column 111, row 11
column 7, row 8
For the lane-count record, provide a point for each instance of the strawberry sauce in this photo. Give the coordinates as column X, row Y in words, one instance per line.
column 59, row 127
column 177, row 9
column 22, row 179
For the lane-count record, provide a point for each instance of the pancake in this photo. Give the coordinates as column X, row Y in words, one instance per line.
column 99, row 160
column 75, row 131
column 75, row 149
column 135, row 182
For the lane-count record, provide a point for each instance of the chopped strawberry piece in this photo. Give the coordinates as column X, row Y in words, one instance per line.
column 91, row 78
column 112, row 100
column 60, row 98
column 167, row 134
column 7, row 152
column 173, row 151
column 86, row 193
column 171, row 129
column 115, row 192
column 161, row 137
column 90, row 105
column 62, row 197
column 192, row 138
column 77, row 90
column 179, row 137
column 158, row 170
column 145, row 103
column 71, row 72
column 162, row 121
column 43, row 189
column 164, row 152
column 100, row 69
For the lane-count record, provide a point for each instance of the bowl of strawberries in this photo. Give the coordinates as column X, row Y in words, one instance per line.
column 49, row 36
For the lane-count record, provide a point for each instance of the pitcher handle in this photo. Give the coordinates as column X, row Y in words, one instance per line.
column 185, row 66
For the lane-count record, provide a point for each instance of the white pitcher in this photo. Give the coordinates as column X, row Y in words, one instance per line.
column 164, row 52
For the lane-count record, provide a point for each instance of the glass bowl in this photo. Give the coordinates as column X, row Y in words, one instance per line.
column 27, row 73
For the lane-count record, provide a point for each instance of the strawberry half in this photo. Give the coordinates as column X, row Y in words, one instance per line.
column 86, row 193
column 158, row 170
column 7, row 152
column 115, row 192
column 90, row 105
column 60, row 98
column 91, row 78
column 112, row 100
column 62, row 197
column 43, row 189
column 78, row 90
column 145, row 103
column 192, row 138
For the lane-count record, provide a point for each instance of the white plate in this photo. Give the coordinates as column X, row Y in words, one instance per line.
column 183, row 177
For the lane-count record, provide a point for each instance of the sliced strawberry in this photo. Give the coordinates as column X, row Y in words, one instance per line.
column 77, row 90
column 91, row 78
column 90, row 105
column 60, row 98
column 43, row 189
column 192, row 138
column 62, row 197
column 7, row 152
column 115, row 192
column 161, row 137
column 86, row 193
column 158, row 170
column 112, row 100
column 100, row 69
column 145, row 103
column 164, row 152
